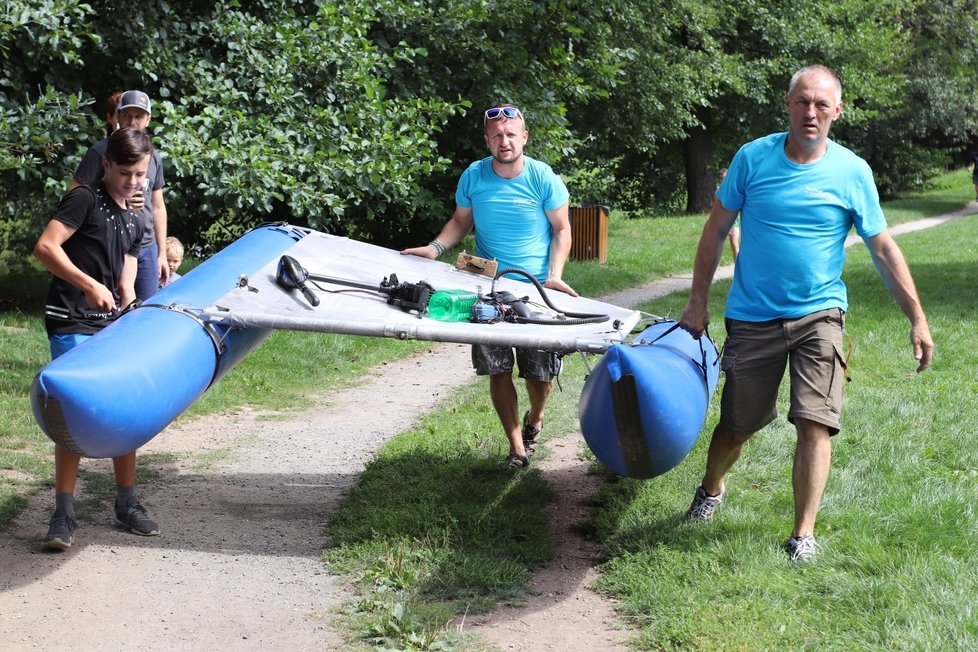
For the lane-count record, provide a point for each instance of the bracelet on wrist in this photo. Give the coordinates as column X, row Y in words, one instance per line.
column 439, row 247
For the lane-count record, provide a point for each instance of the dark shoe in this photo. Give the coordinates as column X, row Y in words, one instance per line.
column 515, row 461
column 61, row 532
column 135, row 519
column 801, row 549
column 530, row 435
column 703, row 506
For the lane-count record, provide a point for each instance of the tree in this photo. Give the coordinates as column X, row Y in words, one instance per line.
column 350, row 117
column 704, row 77
column 43, row 118
column 542, row 56
column 357, row 117
column 936, row 117
column 282, row 112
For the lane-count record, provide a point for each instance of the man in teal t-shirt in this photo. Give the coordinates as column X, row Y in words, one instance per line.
column 510, row 214
column 519, row 209
column 798, row 195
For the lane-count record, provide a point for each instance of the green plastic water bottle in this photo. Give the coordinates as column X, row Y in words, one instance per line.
column 452, row 305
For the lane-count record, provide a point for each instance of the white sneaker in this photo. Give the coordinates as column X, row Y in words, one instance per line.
column 801, row 549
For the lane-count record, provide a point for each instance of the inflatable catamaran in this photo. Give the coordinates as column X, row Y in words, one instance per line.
column 124, row 385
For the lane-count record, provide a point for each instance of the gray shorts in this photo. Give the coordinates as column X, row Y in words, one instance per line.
column 754, row 359
column 533, row 365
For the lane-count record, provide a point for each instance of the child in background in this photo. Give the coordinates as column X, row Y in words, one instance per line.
column 734, row 235
column 174, row 257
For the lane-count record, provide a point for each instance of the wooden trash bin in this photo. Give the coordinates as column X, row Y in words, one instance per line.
column 589, row 233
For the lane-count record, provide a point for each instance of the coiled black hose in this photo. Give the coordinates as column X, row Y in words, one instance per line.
column 576, row 317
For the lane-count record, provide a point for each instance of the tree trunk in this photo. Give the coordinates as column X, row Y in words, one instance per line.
column 701, row 178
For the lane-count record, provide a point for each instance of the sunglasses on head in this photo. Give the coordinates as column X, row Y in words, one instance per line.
column 499, row 112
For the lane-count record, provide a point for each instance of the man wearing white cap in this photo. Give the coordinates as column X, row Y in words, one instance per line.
column 135, row 111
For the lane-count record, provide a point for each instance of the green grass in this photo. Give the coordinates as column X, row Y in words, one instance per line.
column 948, row 195
column 26, row 460
column 434, row 529
column 438, row 500
column 640, row 251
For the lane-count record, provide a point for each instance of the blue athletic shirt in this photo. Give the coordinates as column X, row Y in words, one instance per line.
column 794, row 220
column 510, row 223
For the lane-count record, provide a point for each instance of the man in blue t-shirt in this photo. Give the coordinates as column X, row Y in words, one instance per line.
column 798, row 194
column 519, row 209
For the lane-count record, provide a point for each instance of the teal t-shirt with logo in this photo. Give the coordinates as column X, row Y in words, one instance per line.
column 794, row 220
column 511, row 224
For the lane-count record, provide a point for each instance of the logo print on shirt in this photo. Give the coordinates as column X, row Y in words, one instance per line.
column 818, row 192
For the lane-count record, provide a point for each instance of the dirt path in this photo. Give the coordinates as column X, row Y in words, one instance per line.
column 238, row 563
column 561, row 612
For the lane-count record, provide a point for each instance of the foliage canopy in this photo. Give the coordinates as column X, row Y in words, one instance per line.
column 357, row 117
